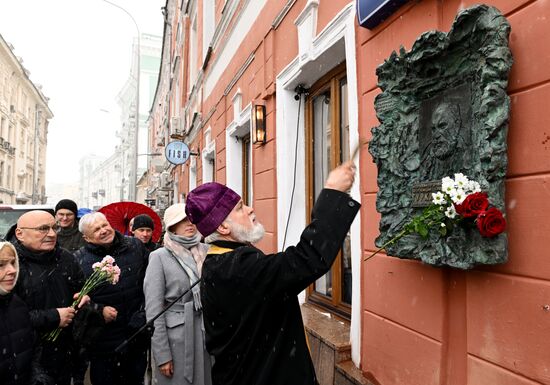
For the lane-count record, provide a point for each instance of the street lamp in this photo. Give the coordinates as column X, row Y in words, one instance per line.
column 132, row 193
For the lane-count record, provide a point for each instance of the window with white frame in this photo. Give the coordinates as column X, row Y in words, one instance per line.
column 327, row 132
column 239, row 150
column 208, row 158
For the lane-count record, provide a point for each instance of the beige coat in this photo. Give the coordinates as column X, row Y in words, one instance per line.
column 179, row 333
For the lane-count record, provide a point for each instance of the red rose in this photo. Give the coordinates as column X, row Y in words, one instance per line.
column 473, row 205
column 491, row 223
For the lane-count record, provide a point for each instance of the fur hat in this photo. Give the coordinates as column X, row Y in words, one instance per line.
column 143, row 220
column 68, row 205
column 208, row 205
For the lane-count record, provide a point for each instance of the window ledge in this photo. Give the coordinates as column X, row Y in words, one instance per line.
column 326, row 327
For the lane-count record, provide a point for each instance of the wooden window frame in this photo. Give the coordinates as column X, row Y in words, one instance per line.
column 331, row 81
column 246, row 168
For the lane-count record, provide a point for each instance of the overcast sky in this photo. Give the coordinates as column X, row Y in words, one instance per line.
column 80, row 52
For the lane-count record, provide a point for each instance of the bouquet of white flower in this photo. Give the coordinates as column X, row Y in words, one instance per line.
column 460, row 202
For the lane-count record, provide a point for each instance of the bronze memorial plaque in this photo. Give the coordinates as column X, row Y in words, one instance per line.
column 443, row 113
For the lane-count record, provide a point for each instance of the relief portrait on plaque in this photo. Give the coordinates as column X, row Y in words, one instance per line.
column 444, row 134
column 443, row 112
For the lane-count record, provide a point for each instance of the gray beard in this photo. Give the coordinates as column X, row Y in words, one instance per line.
column 240, row 234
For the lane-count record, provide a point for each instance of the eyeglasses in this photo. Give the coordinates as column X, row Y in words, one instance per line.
column 44, row 229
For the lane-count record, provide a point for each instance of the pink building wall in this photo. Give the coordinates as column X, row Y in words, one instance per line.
column 420, row 325
column 424, row 325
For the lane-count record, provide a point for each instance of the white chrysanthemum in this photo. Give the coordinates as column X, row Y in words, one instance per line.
column 474, row 186
column 458, row 196
column 450, row 212
column 447, row 185
column 461, row 181
column 438, row 198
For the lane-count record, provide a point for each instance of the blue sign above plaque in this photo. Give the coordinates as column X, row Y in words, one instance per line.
column 370, row 13
column 177, row 152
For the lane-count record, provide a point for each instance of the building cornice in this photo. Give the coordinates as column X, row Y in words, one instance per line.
column 22, row 73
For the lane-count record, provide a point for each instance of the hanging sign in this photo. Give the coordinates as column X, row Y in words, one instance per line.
column 370, row 13
column 177, row 152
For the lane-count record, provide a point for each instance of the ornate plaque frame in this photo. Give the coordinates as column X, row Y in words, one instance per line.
column 465, row 72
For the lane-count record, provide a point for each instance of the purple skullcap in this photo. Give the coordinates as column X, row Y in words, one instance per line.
column 208, row 205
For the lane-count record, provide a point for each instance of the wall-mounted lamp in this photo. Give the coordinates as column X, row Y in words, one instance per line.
column 258, row 124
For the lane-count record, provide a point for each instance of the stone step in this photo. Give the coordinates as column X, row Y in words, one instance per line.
column 348, row 374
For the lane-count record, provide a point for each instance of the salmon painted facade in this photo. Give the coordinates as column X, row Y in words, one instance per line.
column 308, row 62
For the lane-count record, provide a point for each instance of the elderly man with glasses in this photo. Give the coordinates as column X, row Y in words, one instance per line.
column 49, row 279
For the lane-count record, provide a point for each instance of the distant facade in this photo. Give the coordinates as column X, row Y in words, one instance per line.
column 109, row 181
column 58, row 191
column 24, row 119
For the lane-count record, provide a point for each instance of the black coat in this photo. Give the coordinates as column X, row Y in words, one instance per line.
column 251, row 312
column 16, row 341
column 48, row 281
column 126, row 296
column 70, row 238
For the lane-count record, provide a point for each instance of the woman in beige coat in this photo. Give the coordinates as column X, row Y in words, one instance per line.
column 178, row 341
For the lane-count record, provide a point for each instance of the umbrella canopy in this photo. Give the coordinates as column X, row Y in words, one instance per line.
column 119, row 215
column 83, row 211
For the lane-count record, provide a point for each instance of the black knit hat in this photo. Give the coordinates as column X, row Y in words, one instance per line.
column 68, row 205
column 143, row 220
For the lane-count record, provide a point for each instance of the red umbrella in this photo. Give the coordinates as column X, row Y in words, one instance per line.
column 119, row 215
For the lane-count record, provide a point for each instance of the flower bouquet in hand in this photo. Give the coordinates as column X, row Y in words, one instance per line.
column 104, row 271
column 459, row 202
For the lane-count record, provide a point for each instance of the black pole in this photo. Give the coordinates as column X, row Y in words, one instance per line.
column 152, row 320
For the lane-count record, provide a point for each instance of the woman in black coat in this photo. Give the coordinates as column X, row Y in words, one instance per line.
column 16, row 333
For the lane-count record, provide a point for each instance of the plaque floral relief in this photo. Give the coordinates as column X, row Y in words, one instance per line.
column 443, row 111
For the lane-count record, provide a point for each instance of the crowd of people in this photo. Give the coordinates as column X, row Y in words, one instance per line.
column 223, row 311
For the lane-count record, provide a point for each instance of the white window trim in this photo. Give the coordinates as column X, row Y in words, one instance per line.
column 239, row 127
column 208, row 156
column 192, row 173
column 245, row 20
column 342, row 26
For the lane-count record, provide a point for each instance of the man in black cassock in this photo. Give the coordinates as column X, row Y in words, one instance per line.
column 252, row 317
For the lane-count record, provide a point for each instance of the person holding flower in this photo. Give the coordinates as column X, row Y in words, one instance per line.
column 122, row 304
column 178, row 340
column 50, row 279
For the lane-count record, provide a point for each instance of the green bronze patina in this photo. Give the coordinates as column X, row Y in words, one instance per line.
column 443, row 110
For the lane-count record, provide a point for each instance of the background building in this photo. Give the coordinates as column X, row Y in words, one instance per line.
column 110, row 181
column 309, row 70
column 24, row 118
